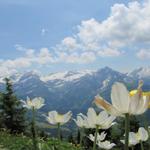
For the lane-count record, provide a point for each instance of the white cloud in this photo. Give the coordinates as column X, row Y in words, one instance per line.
column 4, row 72
column 69, row 43
column 30, row 53
column 19, row 47
column 127, row 26
column 44, row 52
column 108, row 52
column 9, row 66
column 16, row 63
column 44, row 57
column 85, row 57
column 144, row 54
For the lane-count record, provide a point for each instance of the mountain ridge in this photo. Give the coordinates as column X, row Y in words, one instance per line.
column 140, row 72
column 73, row 90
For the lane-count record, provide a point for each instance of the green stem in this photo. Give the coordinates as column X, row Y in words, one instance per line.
column 148, row 135
column 142, row 147
column 81, row 136
column 33, row 130
column 59, row 137
column 146, row 127
column 132, row 147
column 95, row 140
column 127, row 122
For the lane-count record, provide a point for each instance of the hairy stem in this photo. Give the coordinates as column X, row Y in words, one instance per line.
column 146, row 126
column 127, row 122
column 142, row 147
column 33, row 130
column 81, row 136
column 95, row 140
column 59, row 132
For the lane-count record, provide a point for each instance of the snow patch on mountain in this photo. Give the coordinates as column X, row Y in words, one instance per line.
column 106, row 82
column 67, row 76
column 142, row 72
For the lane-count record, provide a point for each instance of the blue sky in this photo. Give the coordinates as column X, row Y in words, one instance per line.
column 58, row 35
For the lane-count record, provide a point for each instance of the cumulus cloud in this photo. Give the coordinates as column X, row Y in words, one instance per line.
column 85, row 57
column 7, row 72
column 108, row 52
column 144, row 54
column 10, row 66
column 127, row 26
column 44, row 56
column 69, row 43
column 30, row 53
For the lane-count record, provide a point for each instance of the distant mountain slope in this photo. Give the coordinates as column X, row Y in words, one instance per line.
column 74, row 90
column 140, row 73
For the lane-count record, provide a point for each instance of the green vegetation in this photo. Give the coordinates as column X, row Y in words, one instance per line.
column 20, row 142
column 12, row 112
column 18, row 133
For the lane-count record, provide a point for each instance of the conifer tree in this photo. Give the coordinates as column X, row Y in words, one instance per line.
column 78, row 137
column 70, row 138
column 12, row 110
column 1, row 115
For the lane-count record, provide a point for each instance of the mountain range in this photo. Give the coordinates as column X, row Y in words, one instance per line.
column 74, row 90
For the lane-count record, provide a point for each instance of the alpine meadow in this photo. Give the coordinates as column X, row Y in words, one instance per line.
column 74, row 75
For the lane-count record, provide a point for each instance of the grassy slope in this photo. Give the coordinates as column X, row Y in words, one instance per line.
column 11, row 142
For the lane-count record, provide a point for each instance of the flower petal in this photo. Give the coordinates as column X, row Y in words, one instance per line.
column 120, row 97
column 101, row 137
column 67, row 116
column 133, row 139
column 143, row 134
column 91, row 116
column 108, row 123
column 134, row 103
column 91, row 137
column 102, row 117
column 106, row 145
column 38, row 102
column 101, row 103
column 52, row 117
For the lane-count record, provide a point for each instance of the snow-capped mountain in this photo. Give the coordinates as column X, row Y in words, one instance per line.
column 66, row 76
column 74, row 90
column 142, row 72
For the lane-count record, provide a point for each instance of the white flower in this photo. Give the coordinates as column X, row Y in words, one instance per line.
column 101, row 120
column 102, row 144
column 132, row 139
column 135, row 138
column 142, row 134
column 106, row 145
column 123, row 102
column 55, row 118
column 100, row 137
column 35, row 103
column 81, row 121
